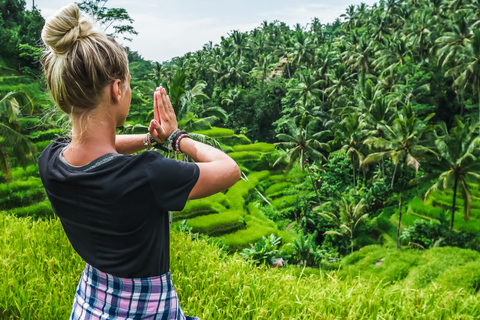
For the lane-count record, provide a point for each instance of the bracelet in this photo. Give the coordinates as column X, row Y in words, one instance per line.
column 176, row 139
column 146, row 142
column 177, row 142
column 153, row 143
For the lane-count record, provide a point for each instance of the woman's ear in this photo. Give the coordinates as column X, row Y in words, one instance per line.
column 116, row 91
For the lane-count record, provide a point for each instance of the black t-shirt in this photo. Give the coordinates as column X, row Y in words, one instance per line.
column 114, row 209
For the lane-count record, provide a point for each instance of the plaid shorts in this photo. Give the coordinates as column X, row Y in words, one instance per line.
column 103, row 296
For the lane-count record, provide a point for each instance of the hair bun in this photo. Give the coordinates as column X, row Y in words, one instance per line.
column 62, row 29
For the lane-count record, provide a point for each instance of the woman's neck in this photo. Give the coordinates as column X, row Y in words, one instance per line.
column 93, row 135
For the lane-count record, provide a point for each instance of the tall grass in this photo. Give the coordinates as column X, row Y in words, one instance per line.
column 40, row 271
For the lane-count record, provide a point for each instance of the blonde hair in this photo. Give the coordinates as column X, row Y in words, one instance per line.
column 80, row 60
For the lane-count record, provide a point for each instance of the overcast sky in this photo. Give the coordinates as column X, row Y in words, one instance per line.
column 173, row 28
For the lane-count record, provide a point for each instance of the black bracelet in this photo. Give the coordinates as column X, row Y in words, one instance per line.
column 175, row 141
column 157, row 145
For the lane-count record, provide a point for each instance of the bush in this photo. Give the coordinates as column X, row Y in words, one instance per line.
column 29, row 171
column 437, row 233
column 264, row 251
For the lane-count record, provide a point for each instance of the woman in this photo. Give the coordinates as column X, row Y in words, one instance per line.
column 114, row 206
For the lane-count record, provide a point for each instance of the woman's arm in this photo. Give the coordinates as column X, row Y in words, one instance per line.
column 129, row 143
column 217, row 170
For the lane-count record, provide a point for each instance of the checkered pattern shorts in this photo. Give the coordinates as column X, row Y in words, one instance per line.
column 103, row 296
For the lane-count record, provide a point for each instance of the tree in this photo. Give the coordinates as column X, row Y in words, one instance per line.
column 22, row 148
column 302, row 143
column 349, row 133
column 468, row 67
column 457, row 163
column 405, row 143
column 117, row 18
column 349, row 220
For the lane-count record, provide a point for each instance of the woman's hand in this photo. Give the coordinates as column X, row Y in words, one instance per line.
column 165, row 122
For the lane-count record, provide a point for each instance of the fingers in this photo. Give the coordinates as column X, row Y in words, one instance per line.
column 156, row 97
column 156, row 131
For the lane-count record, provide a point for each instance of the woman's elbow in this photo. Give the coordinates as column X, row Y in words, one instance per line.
column 234, row 172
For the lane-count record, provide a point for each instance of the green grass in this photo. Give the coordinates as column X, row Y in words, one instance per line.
column 40, row 272
column 284, row 202
column 277, row 187
column 216, row 132
column 243, row 238
column 259, row 147
column 214, row 223
column 245, row 155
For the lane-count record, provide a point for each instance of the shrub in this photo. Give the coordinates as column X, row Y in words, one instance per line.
column 262, row 252
column 438, row 233
column 29, row 171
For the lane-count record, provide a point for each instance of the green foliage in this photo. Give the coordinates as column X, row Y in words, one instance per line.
column 39, row 210
column 437, row 261
column 44, row 269
column 217, row 224
column 336, row 177
column 259, row 147
column 47, row 135
column 216, row 132
column 430, row 234
column 262, row 252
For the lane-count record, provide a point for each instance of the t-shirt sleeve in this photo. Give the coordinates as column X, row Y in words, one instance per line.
column 171, row 181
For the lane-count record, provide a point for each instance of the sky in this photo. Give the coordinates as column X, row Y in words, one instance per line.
column 168, row 29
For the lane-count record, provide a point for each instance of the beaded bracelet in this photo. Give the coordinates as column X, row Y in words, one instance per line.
column 177, row 141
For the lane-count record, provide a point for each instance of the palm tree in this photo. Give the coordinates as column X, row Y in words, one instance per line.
column 350, row 134
column 458, row 162
column 404, row 143
column 468, row 67
column 10, row 137
column 349, row 220
column 302, row 143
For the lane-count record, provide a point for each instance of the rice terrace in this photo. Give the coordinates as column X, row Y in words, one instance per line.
column 358, row 143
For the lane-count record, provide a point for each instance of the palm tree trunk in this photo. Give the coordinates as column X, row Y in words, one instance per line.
column 354, row 180
column 315, row 187
column 400, row 201
column 393, row 177
column 453, row 204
